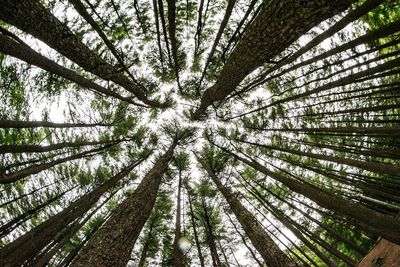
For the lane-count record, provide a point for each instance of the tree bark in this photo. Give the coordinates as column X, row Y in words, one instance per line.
column 36, row 168
column 112, row 244
column 367, row 219
column 31, row 17
column 10, row 47
column 259, row 238
column 29, row 244
column 277, row 26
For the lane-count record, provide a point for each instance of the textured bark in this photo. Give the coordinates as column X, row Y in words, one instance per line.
column 29, row 244
column 384, row 254
column 36, row 168
column 31, row 17
column 6, row 228
column 112, row 244
column 10, row 47
column 259, row 238
column 62, row 239
column 367, row 219
column 276, row 27
column 352, row 16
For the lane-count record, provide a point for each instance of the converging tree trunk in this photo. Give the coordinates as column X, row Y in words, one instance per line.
column 29, row 244
column 112, row 244
column 264, row 244
column 177, row 254
column 277, row 26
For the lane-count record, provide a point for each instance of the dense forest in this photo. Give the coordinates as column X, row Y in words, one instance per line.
column 199, row 133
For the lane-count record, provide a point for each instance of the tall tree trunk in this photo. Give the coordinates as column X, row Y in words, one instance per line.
column 112, row 244
column 145, row 248
column 10, row 47
column 369, row 166
column 36, row 168
column 177, row 256
column 210, row 236
column 174, row 42
column 52, row 147
column 277, row 26
column 156, row 17
column 29, row 244
column 259, row 238
column 365, row 218
column 196, row 236
column 63, row 238
column 253, row 255
column 164, row 29
column 224, row 22
column 31, row 17
column 6, row 228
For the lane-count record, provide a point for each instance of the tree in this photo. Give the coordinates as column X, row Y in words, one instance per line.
column 199, row 133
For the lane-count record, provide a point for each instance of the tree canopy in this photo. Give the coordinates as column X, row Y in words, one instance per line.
column 198, row 133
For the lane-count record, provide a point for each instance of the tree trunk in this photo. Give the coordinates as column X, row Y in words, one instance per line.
column 196, row 236
column 259, row 238
column 366, row 219
column 277, row 26
column 6, row 228
column 177, row 256
column 253, row 255
column 10, row 47
column 112, row 244
column 224, row 22
column 29, row 244
column 145, row 248
column 155, row 8
column 36, row 168
column 31, row 17
column 52, row 147
column 369, row 166
column 62, row 239
column 210, row 236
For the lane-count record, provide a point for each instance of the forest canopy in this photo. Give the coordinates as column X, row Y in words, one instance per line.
column 198, row 132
